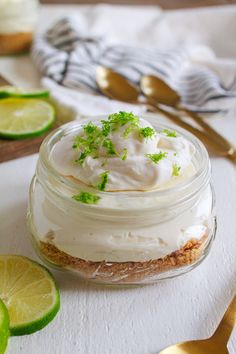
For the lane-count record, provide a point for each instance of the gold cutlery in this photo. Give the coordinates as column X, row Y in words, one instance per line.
column 216, row 344
column 115, row 86
column 159, row 91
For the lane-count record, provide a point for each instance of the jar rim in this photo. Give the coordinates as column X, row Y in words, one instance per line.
column 199, row 179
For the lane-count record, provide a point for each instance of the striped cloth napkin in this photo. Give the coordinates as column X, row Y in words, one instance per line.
column 70, row 58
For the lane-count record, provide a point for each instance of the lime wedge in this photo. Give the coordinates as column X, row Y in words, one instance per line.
column 29, row 293
column 23, row 118
column 13, row 91
column 4, row 327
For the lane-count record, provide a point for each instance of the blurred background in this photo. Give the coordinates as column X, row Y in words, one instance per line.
column 165, row 4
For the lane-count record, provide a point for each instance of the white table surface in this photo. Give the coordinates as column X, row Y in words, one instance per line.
column 140, row 320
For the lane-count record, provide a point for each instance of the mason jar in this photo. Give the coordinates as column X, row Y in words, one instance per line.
column 18, row 19
column 128, row 237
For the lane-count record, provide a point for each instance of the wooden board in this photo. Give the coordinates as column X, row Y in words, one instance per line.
column 12, row 149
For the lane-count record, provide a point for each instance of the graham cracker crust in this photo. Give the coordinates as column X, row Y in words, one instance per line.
column 125, row 272
column 15, row 42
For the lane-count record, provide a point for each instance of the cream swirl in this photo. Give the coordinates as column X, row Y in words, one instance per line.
column 132, row 161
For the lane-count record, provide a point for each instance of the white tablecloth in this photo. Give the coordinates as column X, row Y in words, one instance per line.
column 139, row 320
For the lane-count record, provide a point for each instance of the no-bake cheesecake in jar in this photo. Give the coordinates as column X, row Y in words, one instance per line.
column 121, row 199
column 17, row 24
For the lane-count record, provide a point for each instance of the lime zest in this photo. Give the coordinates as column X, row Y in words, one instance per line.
column 89, row 128
column 83, row 156
column 109, row 146
column 147, row 132
column 124, row 156
column 86, row 198
column 176, row 170
column 95, row 137
column 169, row 133
column 123, row 118
column 104, row 180
column 155, row 158
column 106, row 127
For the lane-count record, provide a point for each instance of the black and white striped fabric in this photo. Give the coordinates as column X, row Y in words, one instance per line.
column 71, row 59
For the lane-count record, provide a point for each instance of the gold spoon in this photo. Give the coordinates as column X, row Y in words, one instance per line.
column 213, row 345
column 115, row 86
column 159, row 91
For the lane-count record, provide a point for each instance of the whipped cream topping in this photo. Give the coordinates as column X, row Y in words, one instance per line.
column 18, row 16
column 137, row 162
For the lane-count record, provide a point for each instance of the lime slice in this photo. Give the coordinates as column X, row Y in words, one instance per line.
column 13, row 91
column 4, row 327
column 29, row 293
column 23, row 118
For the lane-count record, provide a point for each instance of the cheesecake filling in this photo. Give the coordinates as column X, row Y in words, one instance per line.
column 123, row 154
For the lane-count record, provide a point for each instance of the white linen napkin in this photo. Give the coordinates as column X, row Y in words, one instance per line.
column 74, row 104
column 68, row 54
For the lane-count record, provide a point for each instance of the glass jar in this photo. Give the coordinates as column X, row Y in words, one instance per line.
column 128, row 237
column 18, row 20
